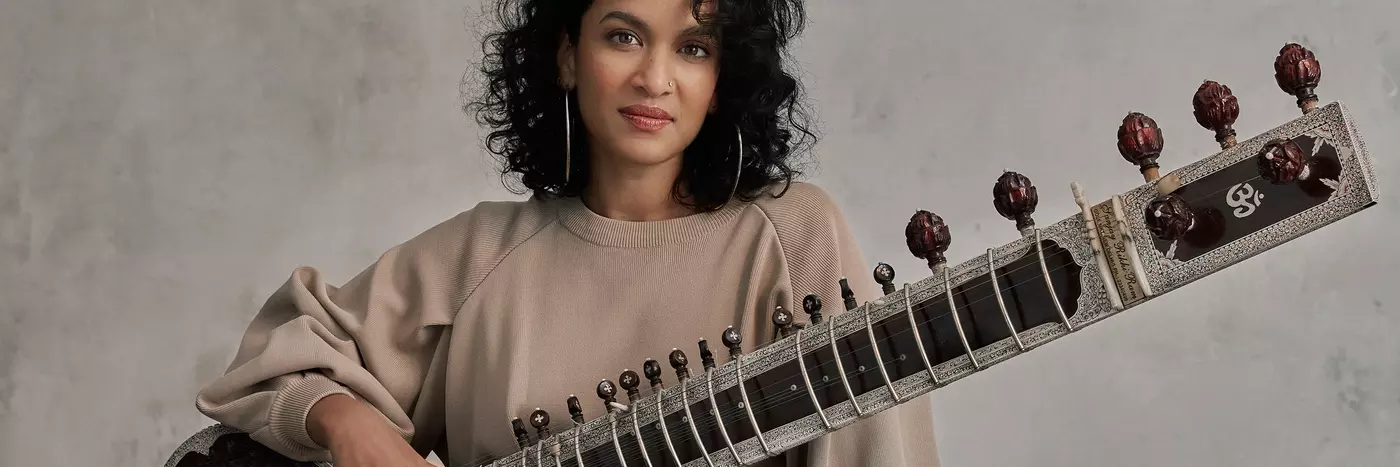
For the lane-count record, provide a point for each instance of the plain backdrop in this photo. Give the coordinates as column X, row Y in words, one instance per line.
column 165, row 164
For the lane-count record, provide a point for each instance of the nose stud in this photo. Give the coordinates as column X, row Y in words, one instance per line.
column 670, row 84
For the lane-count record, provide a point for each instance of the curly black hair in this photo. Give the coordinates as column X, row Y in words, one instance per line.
column 522, row 101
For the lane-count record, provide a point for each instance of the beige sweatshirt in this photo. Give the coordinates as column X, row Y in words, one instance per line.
column 511, row 306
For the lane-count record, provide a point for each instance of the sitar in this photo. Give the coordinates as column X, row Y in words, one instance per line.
column 820, row 376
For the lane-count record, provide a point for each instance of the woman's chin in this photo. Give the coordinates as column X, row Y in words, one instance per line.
column 646, row 155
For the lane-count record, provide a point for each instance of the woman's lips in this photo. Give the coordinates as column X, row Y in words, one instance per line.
column 646, row 123
column 646, row 118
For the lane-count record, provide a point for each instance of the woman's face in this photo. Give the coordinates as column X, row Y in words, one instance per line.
column 645, row 73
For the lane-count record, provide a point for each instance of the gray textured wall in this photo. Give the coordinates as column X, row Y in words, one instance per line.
column 165, row 164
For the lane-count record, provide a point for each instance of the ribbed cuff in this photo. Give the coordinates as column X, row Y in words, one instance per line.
column 287, row 419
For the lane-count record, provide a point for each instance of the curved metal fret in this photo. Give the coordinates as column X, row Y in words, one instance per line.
column 690, row 419
column 665, row 433
column 957, row 322
column 841, row 369
column 879, row 361
column 578, row 433
column 637, row 432
column 1001, row 304
column 1050, row 286
column 710, row 389
column 617, row 446
column 748, row 407
column 914, row 326
column 807, row 380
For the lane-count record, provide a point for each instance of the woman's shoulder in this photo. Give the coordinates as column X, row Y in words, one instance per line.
column 498, row 220
column 804, row 216
column 798, row 203
column 483, row 233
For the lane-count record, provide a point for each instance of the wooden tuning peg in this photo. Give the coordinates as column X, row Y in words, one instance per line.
column 884, row 275
column 782, row 319
column 1216, row 109
column 678, row 363
column 732, row 341
column 575, row 409
column 707, row 358
column 812, row 304
column 927, row 237
column 1169, row 217
column 1283, row 161
column 1015, row 198
column 629, row 382
column 522, row 437
column 1140, row 142
column 848, row 296
column 540, row 420
column 1297, row 73
column 652, row 370
column 607, row 391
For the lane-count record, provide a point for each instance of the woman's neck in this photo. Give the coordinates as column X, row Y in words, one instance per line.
column 634, row 193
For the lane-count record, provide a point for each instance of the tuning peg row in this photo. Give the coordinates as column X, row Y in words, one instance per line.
column 629, row 381
column 1169, row 216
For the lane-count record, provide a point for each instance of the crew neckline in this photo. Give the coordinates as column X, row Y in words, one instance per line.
column 595, row 228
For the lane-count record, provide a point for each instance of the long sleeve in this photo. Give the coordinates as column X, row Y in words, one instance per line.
column 374, row 338
column 820, row 250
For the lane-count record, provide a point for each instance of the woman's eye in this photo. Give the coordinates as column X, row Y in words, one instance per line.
column 695, row 50
column 623, row 38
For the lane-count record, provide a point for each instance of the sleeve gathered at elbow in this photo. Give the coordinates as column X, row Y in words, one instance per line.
column 373, row 339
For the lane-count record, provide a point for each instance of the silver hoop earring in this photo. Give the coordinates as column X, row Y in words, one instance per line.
column 568, row 141
column 739, row 169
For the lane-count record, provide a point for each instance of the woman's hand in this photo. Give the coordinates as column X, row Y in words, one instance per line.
column 357, row 436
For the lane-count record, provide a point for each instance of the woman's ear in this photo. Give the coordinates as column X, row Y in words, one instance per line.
column 567, row 63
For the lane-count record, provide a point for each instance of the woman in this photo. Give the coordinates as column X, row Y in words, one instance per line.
column 629, row 120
